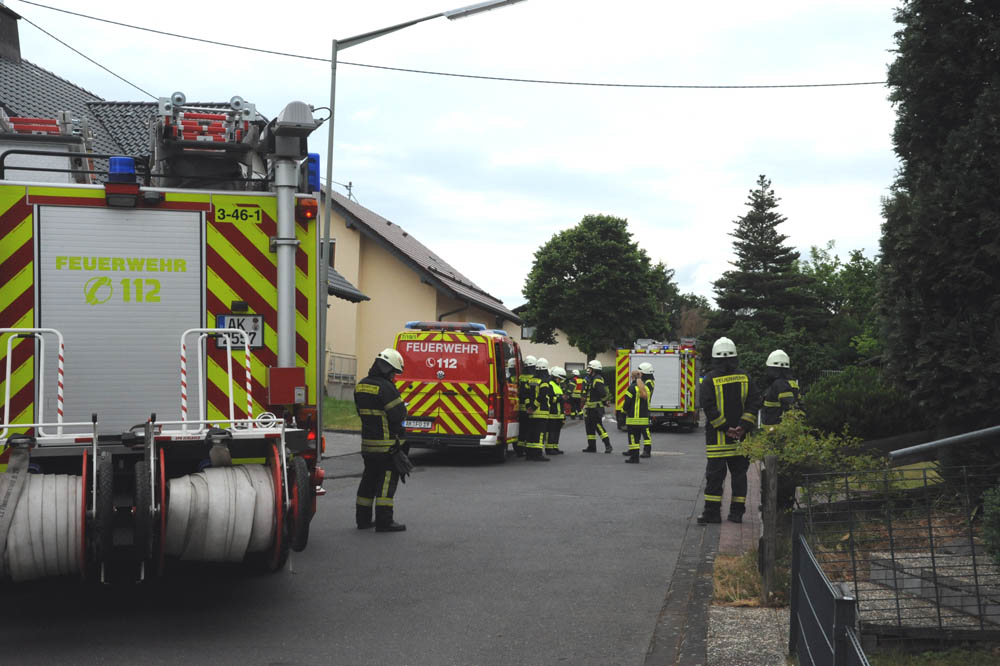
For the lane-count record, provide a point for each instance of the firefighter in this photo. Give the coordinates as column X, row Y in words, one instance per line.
column 636, row 408
column 576, row 395
column 538, row 416
column 597, row 396
column 637, row 416
column 382, row 412
column 730, row 408
column 524, row 399
column 557, row 414
column 782, row 393
column 513, row 380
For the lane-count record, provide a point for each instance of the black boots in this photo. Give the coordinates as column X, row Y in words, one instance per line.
column 591, row 448
column 710, row 515
column 607, row 446
column 537, row 455
column 736, row 513
column 633, row 456
column 384, row 521
column 647, row 451
column 363, row 517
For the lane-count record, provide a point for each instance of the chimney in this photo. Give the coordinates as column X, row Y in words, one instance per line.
column 10, row 43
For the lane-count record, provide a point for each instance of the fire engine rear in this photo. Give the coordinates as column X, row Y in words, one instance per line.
column 158, row 344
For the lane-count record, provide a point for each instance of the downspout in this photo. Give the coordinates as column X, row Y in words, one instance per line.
column 448, row 314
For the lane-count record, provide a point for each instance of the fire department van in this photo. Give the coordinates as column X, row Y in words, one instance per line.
column 459, row 387
column 675, row 371
column 158, row 345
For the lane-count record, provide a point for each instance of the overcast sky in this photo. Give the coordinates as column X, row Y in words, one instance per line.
column 485, row 172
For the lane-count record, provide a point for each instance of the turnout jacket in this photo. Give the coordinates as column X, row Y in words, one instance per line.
column 543, row 398
column 636, row 408
column 729, row 401
column 597, row 392
column 780, row 396
column 556, row 410
column 381, row 410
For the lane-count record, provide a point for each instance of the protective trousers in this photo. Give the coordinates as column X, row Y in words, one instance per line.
column 595, row 427
column 377, row 488
column 555, row 427
column 539, row 433
column 715, row 476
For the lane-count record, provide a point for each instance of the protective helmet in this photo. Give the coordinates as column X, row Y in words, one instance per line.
column 778, row 359
column 723, row 348
column 529, row 361
column 558, row 371
column 541, row 364
column 595, row 365
column 576, row 373
column 392, row 357
column 646, row 368
column 511, row 363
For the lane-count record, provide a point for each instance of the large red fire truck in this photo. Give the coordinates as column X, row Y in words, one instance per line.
column 158, row 344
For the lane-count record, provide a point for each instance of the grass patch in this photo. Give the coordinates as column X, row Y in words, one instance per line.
column 952, row 657
column 340, row 415
column 736, row 579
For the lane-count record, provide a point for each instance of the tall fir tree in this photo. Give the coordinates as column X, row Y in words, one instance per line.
column 940, row 283
column 766, row 287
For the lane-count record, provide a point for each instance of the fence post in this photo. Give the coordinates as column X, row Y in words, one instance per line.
column 793, row 592
column 843, row 619
column 770, row 528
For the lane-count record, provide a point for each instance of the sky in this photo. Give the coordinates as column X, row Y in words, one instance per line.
column 484, row 172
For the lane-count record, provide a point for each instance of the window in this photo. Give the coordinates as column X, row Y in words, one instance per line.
column 527, row 332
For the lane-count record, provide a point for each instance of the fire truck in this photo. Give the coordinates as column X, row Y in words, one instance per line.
column 159, row 345
column 459, row 382
column 675, row 371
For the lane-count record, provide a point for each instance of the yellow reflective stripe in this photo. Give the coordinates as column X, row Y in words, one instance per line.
column 748, row 417
column 768, row 403
column 397, row 401
column 370, row 412
column 786, row 394
column 383, row 501
column 385, row 484
column 366, row 388
column 794, row 383
column 715, row 423
column 740, row 500
column 713, row 498
column 364, row 501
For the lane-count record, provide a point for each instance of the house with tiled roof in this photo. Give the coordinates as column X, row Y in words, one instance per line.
column 398, row 278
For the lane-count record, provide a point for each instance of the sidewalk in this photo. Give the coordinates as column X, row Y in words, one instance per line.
column 738, row 538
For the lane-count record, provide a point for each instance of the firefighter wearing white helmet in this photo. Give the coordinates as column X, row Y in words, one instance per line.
column 576, row 388
column 730, row 406
column 557, row 410
column 538, row 412
column 525, row 397
column 782, row 392
column 382, row 411
column 596, row 398
column 637, row 416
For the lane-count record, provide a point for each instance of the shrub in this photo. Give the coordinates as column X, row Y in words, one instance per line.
column 991, row 522
column 861, row 401
column 802, row 449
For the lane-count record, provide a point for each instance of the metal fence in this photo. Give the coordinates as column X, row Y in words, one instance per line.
column 823, row 627
column 907, row 544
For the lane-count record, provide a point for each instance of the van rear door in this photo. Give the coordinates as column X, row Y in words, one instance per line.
column 446, row 379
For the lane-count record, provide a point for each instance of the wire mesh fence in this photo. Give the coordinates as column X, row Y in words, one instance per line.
column 909, row 543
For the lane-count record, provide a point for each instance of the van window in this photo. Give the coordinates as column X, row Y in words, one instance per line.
column 460, row 360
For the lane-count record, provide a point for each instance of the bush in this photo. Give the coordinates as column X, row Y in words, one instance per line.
column 802, row 450
column 991, row 522
column 861, row 401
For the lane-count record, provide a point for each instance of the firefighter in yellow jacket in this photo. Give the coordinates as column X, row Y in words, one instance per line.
column 597, row 395
column 782, row 393
column 636, row 408
column 557, row 413
column 576, row 395
column 541, row 406
column 525, row 399
column 382, row 412
column 730, row 413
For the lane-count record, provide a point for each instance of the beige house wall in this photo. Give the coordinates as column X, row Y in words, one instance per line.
column 342, row 316
column 451, row 309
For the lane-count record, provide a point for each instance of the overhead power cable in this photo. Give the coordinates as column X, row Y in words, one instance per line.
column 84, row 55
column 451, row 74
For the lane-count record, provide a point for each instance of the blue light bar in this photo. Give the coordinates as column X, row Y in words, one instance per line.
column 312, row 168
column 121, row 170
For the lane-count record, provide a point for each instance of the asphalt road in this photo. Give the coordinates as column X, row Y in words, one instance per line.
column 566, row 562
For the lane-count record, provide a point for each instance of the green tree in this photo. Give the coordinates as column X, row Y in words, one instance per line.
column 940, row 287
column 766, row 286
column 580, row 270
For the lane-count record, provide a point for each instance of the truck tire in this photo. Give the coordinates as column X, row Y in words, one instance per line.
column 302, row 502
column 143, row 528
column 104, row 510
column 499, row 453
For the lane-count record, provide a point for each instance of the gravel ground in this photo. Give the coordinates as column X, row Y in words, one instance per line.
column 747, row 636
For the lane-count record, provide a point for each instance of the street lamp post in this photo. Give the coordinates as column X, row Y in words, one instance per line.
column 339, row 45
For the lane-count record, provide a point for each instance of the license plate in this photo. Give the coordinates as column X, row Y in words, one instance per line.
column 417, row 425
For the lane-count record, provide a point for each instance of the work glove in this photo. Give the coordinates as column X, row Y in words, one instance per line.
column 401, row 462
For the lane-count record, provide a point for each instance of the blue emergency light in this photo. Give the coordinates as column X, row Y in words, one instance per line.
column 121, row 170
column 312, row 172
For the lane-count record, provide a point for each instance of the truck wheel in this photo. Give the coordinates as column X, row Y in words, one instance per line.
column 143, row 498
column 302, row 502
column 104, row 511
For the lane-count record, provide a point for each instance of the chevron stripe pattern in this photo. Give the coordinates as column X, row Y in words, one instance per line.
column 621, row 377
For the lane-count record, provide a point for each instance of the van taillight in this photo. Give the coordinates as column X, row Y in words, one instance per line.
column 492, row 412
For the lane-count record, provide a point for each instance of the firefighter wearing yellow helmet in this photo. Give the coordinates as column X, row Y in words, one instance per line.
column 557, row 411
column 730, row 413
column 597, row 396
column 382, row 412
